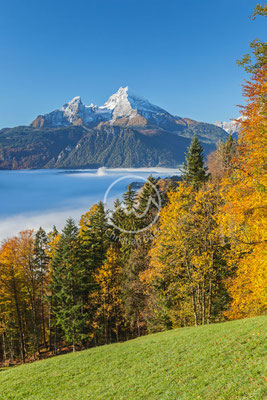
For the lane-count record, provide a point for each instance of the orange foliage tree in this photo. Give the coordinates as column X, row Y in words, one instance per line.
column 18, row 293
column 243, row 216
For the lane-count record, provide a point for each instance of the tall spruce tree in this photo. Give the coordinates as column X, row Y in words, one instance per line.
column 149, row 202
column 68, row 276
column 117, row 218
column 41, row 260
column 131, row 222
column 194, row 171
column 129, row 198
column 94, row 239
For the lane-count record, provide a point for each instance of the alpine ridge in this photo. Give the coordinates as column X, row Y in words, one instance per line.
column 126, row 131
column 123, row 105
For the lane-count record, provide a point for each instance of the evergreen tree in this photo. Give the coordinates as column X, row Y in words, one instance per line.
column 129, row 198
column 130, row 221
column 136, row 262
column 149, row 202
column 68, row 276
column 94, row 236
column 117, row 218
column 41, row 260
column 53, row 239
column 94, row 239
column 194, row 171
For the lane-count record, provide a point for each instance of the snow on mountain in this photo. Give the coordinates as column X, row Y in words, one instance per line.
column 73, row 106
column 75, row 110
column 119, row 104
column 230, row 127
column 122, row 104
column 126, row 104
column 123, row 108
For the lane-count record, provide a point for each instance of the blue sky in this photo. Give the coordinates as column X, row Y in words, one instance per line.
column 181, row 55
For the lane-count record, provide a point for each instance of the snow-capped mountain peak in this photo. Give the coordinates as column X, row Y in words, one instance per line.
column 123, row 108
column 72, row 104
column 118, row 98
column 122, row 104
column 119, row 104
column 125, row 97
column 76, row 99
column 71, row 108
column 125, row 103
column 232, row 126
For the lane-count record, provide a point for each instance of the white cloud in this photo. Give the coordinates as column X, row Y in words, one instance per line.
column 73, row 207
column 12, row 225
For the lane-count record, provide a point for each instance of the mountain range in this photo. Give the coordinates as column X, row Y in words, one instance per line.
column 127, row 131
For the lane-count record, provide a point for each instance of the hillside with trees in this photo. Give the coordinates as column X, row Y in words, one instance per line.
column 202, row 261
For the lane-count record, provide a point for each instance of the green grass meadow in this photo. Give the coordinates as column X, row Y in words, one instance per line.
column 219, row 361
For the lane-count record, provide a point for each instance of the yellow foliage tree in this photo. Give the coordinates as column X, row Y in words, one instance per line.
column 243, row 215
column 107, row 298
column 186, row 260
column 18, row 288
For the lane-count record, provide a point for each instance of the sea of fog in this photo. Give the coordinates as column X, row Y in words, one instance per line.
column 33, row 198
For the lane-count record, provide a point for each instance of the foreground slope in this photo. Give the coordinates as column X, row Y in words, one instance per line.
column 219, row 361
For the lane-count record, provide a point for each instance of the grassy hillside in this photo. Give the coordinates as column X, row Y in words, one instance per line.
column 220, row 361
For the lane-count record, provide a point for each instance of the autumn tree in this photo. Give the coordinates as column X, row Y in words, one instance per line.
column 186, row 259
column 243, row 215
column 257, row 59
column 25, row 254
column 107, row 299
column 19, row 295
column 220, row 160
column 134, row 294
column 12, row 300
